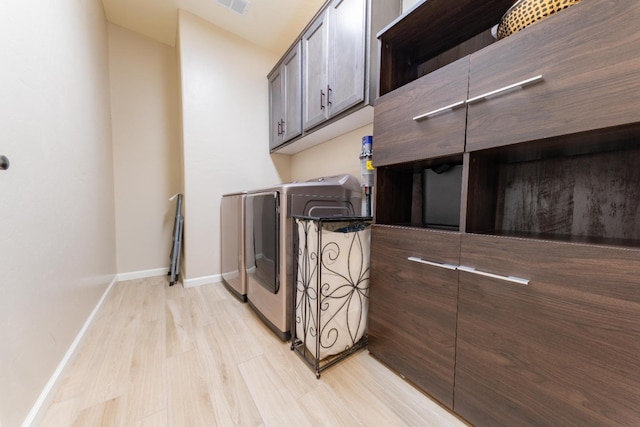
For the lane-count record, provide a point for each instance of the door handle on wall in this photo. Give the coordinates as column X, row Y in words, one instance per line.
column 4, row 163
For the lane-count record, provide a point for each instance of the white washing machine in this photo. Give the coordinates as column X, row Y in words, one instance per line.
column 268, row 255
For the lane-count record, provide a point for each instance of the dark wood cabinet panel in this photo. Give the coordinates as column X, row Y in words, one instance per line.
column 400, row 137
column 412, row 311
column 562, row 350
column 432, row 29
column 285, row 95
column 589, row 59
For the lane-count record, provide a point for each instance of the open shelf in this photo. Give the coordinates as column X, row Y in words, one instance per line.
column 424, row 194
column 585, row 191
column 409, row 49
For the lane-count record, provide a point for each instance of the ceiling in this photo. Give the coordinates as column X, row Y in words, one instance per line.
column 272, row 24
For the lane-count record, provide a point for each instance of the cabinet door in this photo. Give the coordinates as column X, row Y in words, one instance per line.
column 314, row 46
column 412, row 305
column 345, row 86
column 423, row 119
column 589, row 62
column 276, row 108
column 292, row 93
column 562, row 350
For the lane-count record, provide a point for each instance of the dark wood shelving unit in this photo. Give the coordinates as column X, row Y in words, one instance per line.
column 432, row 34
column 543, row 273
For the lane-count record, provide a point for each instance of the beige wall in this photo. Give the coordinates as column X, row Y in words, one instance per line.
column 57, row 246
column 337, row 156
column 408, row 4
column 147, row 160
column 224, row 101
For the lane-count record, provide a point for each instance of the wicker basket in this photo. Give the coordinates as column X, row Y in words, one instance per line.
column 525, row 12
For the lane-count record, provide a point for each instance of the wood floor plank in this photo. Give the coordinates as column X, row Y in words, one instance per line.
column 212, row 295
column 133, row 297
column 271, row 395
column 111, row 363
column 291, row 370
column 188, row 395
column 159, row 419
column 383, row 397
column 104, row 414
column 83, row 365
column 112, row 302
column 175, row 291
column 75, row 378
column 367, row 406
column 199, row 310
column 146, row 394
column 409, row 404
column 232, row 322
column 164, row 356
column 179, row 328
column 230, row 396
column 153, row 303
column 60, row 414
column 323, row 408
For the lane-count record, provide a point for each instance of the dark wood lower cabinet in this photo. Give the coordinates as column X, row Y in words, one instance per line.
column 412, row 311
column 562, row 350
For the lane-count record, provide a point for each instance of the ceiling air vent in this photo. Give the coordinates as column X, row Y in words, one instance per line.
column 238, row 6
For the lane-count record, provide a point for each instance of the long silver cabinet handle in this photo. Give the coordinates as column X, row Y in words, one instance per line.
column 433, row 264
column 521, row 84
column 439, row 110
column 511, row 279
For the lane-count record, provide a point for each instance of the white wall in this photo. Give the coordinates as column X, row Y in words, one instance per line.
column 224, row 132
column 57, row 246
column 146, row 151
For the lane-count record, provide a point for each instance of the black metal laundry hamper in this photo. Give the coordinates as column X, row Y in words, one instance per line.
column 331, row 293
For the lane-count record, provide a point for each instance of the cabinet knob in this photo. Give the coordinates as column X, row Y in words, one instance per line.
column 321, row 99
column 4, row 163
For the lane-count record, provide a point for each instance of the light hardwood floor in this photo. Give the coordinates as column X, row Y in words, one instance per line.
column 157, row 355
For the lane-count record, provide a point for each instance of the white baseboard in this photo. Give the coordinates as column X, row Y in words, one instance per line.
column 132, row 275
column 199, row 281
column 46, row 395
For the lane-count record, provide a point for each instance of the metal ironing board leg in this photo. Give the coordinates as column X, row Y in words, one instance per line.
column 176, row 247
